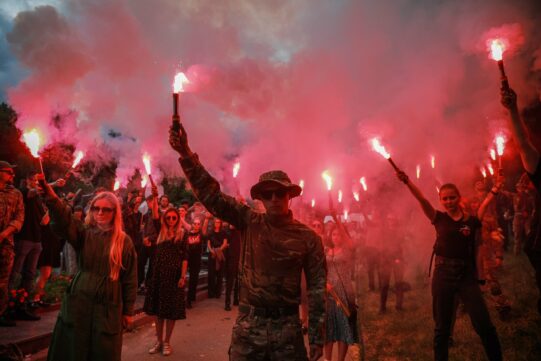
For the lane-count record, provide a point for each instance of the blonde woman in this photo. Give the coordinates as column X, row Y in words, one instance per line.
column 99, row 302
column 165, row 295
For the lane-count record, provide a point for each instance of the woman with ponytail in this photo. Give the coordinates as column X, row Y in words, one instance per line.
column 100, row 300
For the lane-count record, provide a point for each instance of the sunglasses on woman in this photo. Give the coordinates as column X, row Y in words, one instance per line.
column 104, row 210
column 171, row 218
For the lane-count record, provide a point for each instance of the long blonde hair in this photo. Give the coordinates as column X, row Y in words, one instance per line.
column 177, row 228
column 118, row 237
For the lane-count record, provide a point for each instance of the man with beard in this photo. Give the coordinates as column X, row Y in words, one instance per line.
column 275, row 250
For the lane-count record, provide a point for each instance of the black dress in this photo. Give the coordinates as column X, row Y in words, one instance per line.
column 164, row 298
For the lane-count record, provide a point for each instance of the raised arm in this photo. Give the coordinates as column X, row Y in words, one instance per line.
column 68, row 227
column 528, row 153
column 428, row 210
column 490, row 196
column 205, row 187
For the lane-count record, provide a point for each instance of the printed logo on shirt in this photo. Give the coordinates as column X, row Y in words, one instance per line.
column 465, row 230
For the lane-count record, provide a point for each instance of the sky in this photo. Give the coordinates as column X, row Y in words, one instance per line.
column 298, row 85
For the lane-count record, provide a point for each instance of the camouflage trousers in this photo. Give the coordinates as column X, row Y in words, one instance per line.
column 7, row 255
column 257, row 338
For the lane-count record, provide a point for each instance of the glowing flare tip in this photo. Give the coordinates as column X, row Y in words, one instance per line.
column 77, row 159
column 346, row 214
column 363, row 183
column 32, row 141
column 376, row 145
column 483, row 171
column 313, row 203
column 418, row 171
column 328, row 179
column 497, row 47
column 490, row 169
column 236, row 168
column 433, row 162
column 500, row 144
column 492, row 154
column 340, row 196
column 146, row 162
column 356, row 196
column 180, row 80
column 117, row 185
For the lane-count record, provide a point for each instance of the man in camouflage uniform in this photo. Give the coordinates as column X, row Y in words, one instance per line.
column 11, row 221
column 275, row 249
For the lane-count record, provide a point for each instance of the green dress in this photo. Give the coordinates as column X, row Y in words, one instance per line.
column 89, row 325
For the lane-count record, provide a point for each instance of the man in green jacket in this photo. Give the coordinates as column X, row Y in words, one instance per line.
column 275, row 249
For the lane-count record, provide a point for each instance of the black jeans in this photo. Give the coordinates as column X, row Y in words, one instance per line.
column 231, row 284
column 216, row 278
column 448, row 282
column 145, row 254
column 194, row 267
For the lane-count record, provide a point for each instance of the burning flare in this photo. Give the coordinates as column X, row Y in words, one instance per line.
column 492, row 154
column 433, row 161
column 483, row 171
column 328, row 179
column 117, row 185
column 363, row 183
column 418, row 171
column 376, row 145
column 77, row 159
column 346, row 214
column 146, row 162
column 490, row 169
column 497, row 47
column 32, row 140
column 180, row 80
column 236, row 168
column 313, row 202
column 144, row 181
column 340, row 196
column 301, row 184
column 356, row 196
column 500, row 144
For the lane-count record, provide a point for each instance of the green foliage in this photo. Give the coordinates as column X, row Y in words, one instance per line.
column 175, row 188
column 11, row 147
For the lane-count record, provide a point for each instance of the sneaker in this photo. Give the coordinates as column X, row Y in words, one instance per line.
column 156, row 348
column 166, row 351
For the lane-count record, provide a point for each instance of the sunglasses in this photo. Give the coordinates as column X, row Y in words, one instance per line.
column 104, row 210
column 279, row 193
column 10, row 172
column 172, row 218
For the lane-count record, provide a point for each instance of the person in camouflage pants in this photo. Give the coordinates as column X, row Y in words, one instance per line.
column 275, row 250
column 11, row 221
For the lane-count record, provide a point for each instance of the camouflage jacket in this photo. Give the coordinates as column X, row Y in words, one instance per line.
column 11, row 210
column 273, row 252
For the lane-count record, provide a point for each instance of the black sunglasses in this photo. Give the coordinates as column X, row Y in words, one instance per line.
column 101, row 209
column 279, row 193
column 173, row 218
column 7, row 171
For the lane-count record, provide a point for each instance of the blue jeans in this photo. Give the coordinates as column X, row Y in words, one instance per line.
column 25, row 264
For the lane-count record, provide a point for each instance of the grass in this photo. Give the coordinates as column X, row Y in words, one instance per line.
column 408, row 335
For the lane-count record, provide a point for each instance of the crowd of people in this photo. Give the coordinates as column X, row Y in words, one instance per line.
column 284, row 275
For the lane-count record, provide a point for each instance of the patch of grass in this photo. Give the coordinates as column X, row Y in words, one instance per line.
column 408, row 335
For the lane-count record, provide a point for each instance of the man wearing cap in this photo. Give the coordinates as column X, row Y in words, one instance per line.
column 11, row 221
column 275, row 249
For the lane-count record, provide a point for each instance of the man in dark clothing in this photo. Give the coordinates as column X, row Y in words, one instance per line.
column 275, row 250
column 217, row 242
column 232, row 256
column 11, row 221
column 195, row 241
column 28, row 241
column 532, row 164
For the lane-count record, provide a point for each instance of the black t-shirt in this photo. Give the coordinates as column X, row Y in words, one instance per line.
column 216, row 238
column 534, row 238
column 233, row 251
column 195, row 242
column 33, row 214
column 455, row 239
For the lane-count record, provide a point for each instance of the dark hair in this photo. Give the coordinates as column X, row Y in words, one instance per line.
column 164, row 195
column 77, row 209
column 449, row 186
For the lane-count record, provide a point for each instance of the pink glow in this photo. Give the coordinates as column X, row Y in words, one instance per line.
column 32, row 139
column 328, row 179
